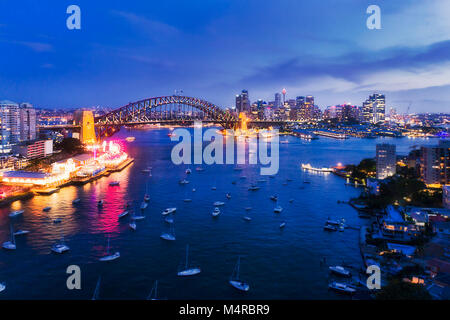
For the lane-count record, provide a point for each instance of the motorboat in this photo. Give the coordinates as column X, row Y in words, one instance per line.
column 184, row 181
column 16, row 213
column 132, row 225
column 218, row 203
column 228, row 196
column 341, row 271
column 188, row 270
column 342, row 288
column 168, row 211
column 57, row 220
column 274, row 198
column 216, row 212
column 108, row 256
column 247, row 218
column 188, row 171
column 60, row 247
column 253, row 188
column 278, row 209
column 248, row 208
column 282, row 225
column 235, row 278
column 168, row 237
column 47, row 209
column 100, row 203
column 76, row 201
column 123, row 214
column 114, row 183
column 187, row 200
column 213, row 188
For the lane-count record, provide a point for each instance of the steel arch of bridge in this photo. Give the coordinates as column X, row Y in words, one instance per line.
column 140, row 112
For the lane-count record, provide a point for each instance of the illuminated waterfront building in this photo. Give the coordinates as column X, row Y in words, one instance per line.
column 386, row 160
column 34, row 149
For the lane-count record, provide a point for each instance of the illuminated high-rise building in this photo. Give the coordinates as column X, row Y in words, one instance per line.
column 27, row 122
column 277, row 102
column 435, row 164
column 242, row 102
column 9, row 126
column 386, row 160
column 374, row 108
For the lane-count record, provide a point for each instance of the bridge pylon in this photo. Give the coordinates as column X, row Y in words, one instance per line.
column 85, row 119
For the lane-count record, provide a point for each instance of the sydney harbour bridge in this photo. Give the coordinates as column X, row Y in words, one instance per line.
column 175, row 109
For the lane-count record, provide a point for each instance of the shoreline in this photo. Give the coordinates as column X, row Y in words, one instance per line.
column 49, row 191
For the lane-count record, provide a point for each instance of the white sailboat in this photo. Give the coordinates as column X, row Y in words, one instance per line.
column 154, row 293
column 60, row 247
column 11, row 244
column 109, row 257
column 97, row 289
column 235, row 280
column 169, row 236
column 16, row 213
column 188, row 271
column 137, row 217
column 278, row 208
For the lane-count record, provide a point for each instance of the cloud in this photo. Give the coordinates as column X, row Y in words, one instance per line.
column 155, row 29
column 388, row 69
column 35, row 46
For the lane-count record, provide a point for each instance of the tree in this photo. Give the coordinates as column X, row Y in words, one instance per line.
column 400, row 290
column 70, row 145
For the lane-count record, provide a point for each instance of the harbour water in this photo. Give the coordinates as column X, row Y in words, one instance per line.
column 277, row 263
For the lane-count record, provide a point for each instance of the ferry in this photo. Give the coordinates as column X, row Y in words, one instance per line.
column 311, row 168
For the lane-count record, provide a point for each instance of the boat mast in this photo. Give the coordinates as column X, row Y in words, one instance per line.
column 187, row 255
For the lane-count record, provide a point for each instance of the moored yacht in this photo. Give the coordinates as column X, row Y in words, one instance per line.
column 123, row 214
column 341, row 271
column 114, row 183
column 218, row 203
column 216, row 212
column 47, row 209
column 187, row 270
column 342, row 288
column 108, row 256
column 235, row 280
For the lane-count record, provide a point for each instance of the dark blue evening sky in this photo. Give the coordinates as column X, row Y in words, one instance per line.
column 130, row 50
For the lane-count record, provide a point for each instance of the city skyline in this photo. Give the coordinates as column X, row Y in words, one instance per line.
column 126, row 52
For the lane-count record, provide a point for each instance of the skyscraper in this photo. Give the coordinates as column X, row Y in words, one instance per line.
column 435, row 164
column 386, row 160
column 9, row 125
column 27, row 122
column 277, row 100
column 242, row 102
column 374, row 108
